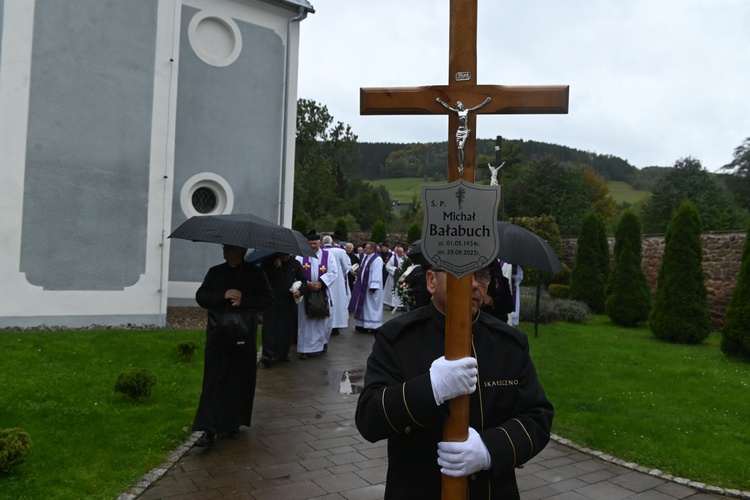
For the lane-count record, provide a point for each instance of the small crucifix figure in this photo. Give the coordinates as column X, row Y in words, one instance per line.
column 463, row 131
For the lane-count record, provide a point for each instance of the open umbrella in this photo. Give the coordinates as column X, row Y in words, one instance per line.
column 243, row 230
column 525, row 248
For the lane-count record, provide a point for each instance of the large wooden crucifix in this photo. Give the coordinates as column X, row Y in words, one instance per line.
column 462, row 99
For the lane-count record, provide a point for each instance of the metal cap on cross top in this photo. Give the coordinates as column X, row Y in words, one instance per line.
column 462, row 99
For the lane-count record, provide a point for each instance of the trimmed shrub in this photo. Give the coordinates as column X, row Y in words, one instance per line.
column 551, row 310
column 341, row 228
column 591, row 269
column 735, row 335
column 680, row 313
column 561, row 278
column 547, row 312
column 135, row 383
column 572, row 311
column 414, row 233
column 15, row 445
column 629, row 295
column 559, row 291
column 301, row 223
column 378, row 233
column 185, row 350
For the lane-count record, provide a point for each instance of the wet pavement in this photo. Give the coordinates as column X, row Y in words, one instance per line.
column 303, row 444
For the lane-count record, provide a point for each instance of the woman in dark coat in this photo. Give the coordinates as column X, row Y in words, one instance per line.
column 234, row 294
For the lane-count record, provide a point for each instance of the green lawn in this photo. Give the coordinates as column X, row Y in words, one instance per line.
column 682, row 409
column 88, row 441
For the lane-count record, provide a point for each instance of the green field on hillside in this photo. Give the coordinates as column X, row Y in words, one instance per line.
column 405, row 188
column 624, row 192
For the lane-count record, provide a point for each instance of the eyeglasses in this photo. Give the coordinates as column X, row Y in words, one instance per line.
column 482, row 277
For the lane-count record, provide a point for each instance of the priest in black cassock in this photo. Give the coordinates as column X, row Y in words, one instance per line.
column 407, row 384
column 234, row 294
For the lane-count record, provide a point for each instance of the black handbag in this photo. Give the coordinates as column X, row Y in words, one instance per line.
column 316, row 304
column 232, row 329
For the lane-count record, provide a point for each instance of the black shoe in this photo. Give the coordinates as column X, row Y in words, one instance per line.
column 285, row 358
column 325, row 347
column 265, row 361
column 205, row 441
column 360, row 329
column 335, row 331
column 302, row 355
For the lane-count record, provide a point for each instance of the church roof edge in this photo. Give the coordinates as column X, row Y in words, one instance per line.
column 296, row 4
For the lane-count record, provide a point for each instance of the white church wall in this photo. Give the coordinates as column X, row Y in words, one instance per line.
column 86, row 153
column 109, row 117
column 241, row 85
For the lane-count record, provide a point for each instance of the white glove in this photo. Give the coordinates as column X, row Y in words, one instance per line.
column 463, row 458
column 454, row 378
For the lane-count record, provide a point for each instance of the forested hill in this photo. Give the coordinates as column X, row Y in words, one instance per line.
column 387, row 160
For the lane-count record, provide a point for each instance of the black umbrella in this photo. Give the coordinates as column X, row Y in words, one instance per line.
column 243, row 230
column 524, row 248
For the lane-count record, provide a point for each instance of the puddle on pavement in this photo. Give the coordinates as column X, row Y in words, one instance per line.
column 345, row 381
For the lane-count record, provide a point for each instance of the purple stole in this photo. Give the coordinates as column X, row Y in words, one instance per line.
column 361, row 287
column 322, row 267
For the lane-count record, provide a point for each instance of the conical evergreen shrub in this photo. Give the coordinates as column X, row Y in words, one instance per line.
column 591, row 269
column 735, row 339
column 629, row 295
column 680, row 313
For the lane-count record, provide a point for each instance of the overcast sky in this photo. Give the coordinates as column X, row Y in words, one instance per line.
column 651, row 81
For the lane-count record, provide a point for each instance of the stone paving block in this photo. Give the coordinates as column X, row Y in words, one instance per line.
column 292, row 491
column 568, row 485
column 597, row 476
column 374, row 475
column 651, row 495
column 604, row 491
column 339, row 469
column 280, row 470
column 558, row 473
column 542, row 492
column 342, row 482
column 638, row 482
column 372, row 492
column 675, row 490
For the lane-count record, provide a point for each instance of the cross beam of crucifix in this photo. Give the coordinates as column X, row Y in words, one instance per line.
column 444, row 99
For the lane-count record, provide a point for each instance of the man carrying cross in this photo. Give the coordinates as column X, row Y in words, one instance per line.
column 497, row 416
column 408, row 382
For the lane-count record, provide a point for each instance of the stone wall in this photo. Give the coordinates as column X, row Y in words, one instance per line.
column 722, row 258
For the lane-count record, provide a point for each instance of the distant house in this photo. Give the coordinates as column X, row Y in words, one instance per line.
column 119, row 120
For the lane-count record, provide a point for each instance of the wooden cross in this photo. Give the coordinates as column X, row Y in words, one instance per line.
column 444, row 99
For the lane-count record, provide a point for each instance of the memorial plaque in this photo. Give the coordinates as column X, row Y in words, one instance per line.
column 460, row 230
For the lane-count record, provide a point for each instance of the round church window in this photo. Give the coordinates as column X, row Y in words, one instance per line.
column 215, row 40
column 206, row 194
column 204, row 200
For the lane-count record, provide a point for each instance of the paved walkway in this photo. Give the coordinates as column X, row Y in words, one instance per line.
column 303, row 444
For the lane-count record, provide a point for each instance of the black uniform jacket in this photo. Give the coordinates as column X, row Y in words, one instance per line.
column 508, row 409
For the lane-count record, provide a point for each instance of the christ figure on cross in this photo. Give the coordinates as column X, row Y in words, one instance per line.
column 463, row 130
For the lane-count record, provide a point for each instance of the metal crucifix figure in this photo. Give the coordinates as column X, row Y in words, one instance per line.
column 462, row 131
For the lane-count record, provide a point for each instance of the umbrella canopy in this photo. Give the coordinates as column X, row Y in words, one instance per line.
column 524, row 248
column 243, row 230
